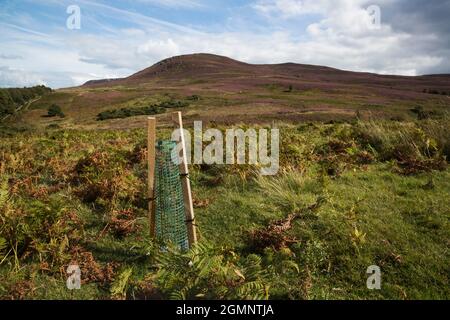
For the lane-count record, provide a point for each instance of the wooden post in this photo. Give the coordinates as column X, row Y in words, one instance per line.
column 151, row 144
column 187, row 194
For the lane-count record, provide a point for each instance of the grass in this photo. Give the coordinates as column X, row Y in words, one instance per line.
column 72, row 196
column 250, row 104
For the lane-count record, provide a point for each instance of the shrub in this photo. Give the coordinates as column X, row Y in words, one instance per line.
column 105, row 180
column 55, row 111
column 421, row 113
column 194, row 97
column 36, row 227
column 289, row 89
column 129, row 112
column 141, row 111
column 439, row 131
column 171, row 104
column 414, row 149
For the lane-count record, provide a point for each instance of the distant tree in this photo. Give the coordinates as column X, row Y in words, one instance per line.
column 17, row 95
column 55, row 111
column 6, row 103
column 11, row 98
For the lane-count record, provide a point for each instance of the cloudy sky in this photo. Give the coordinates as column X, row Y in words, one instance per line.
column 118, row 38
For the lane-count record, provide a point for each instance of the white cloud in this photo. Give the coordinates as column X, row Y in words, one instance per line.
column 296, row 8
column 288, row 8
column 10, row 56
column 18, row 78
column 343, row 37
column 159, row 49
column 174, row 3
column 339, row 38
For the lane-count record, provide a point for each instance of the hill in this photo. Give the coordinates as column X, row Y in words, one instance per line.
column 221, row 69
column 224, row 90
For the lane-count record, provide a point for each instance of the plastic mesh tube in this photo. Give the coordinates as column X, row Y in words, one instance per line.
column 170, row 218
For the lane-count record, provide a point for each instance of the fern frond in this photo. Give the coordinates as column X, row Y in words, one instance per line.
column 2, row 247
column 178, row 295
column 208, row 271
column 289, row 264
column 252, row 267
column 206, row 265
column 119, row 286
column 255, row 290
column 4, row 193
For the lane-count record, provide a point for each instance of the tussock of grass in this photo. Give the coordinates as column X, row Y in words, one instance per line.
column 414, row 149
column 291, row 190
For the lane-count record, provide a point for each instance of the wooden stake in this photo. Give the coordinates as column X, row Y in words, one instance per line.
column 151, row 144
column 187, row 194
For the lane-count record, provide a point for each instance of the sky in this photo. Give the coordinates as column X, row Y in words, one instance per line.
column 41, row 43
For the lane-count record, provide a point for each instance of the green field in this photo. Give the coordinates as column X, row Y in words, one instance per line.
column 348, row 196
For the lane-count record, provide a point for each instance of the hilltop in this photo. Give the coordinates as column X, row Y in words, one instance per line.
column 224, row 70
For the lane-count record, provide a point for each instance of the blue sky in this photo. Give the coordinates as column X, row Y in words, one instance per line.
column 118, row 38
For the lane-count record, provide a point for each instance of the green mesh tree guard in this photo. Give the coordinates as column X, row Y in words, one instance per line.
column 170, row 218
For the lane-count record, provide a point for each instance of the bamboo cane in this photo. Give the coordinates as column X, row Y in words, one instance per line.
column 187, row 193
column 151, row 143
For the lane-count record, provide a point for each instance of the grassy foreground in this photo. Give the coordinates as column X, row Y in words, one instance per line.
column 348, row 196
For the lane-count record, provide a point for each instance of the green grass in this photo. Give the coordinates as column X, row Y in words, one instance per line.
column 68, row 186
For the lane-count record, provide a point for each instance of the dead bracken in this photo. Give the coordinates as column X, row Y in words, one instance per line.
column 275, row 235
